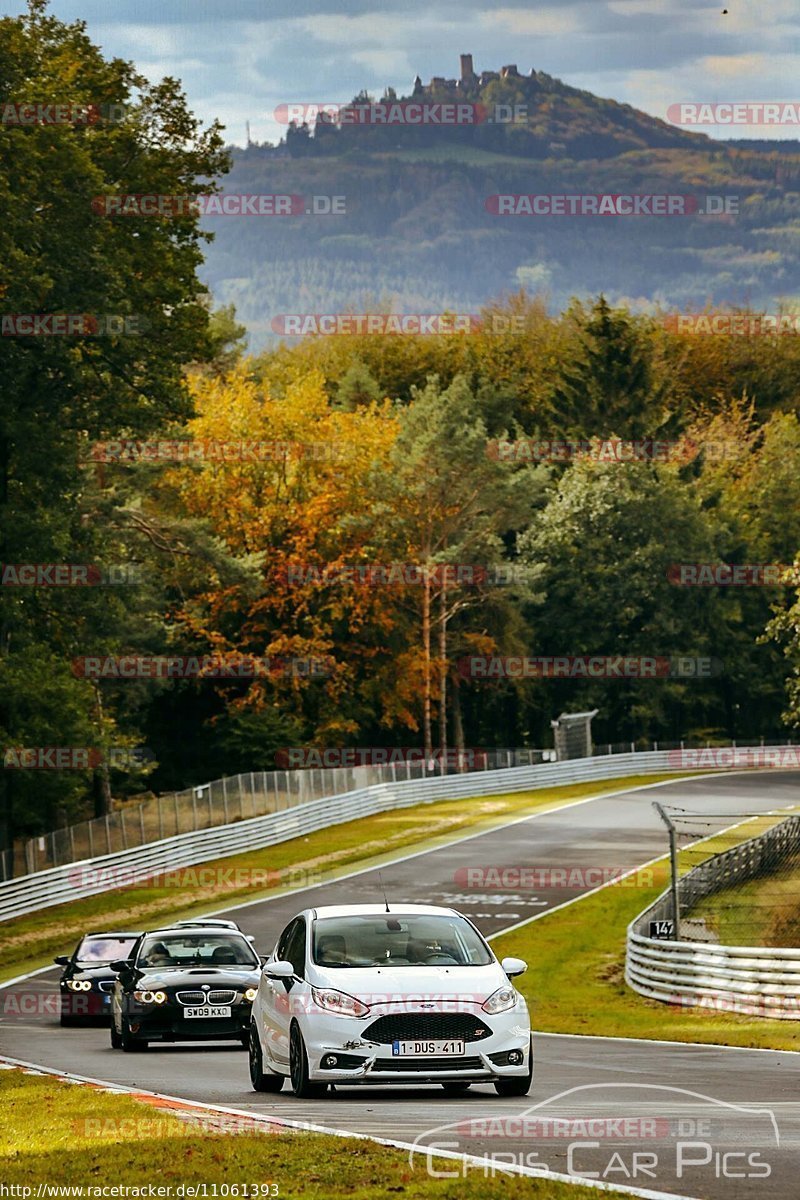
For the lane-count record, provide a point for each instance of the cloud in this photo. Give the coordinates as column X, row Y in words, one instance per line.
column 239, row 59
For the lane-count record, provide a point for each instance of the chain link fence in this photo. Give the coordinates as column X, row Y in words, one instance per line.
column 737, row 878
column 255, row 793
column 235, row 798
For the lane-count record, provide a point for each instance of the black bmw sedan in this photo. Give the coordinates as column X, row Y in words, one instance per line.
column 88, row 978
column 185, row 984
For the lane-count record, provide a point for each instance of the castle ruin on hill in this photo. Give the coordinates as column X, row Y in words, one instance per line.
column 468, row 80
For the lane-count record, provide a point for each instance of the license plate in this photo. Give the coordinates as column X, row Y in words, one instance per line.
column 208, row 1010
column 421, row 1049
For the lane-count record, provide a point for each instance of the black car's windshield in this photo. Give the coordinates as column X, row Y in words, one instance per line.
column 189, row 949
column 405, row 940
column 103, row 950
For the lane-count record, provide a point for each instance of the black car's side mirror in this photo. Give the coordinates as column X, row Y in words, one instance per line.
column 61, row 960
column 120, row 964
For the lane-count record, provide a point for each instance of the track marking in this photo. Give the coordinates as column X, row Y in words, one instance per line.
column 307, row 1126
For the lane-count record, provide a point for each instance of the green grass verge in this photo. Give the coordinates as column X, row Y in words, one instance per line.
column 761, row 912
column 62, row 1134
column 576, row 982
column 31, row 941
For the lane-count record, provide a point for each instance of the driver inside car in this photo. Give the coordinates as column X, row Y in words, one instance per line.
column 159, row 956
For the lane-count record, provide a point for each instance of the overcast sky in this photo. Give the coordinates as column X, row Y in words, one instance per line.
column 239, row 59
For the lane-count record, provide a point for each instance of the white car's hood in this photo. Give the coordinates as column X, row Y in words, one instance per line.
column 413, row 984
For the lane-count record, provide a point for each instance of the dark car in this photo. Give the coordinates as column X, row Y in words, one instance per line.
column 185, row 984
column 88, row 978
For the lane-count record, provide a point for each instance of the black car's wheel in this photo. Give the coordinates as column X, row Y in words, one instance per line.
column 65, row 1019
column 518, row 1085
column 455, row 1088
column 302, row 1086
column 128, row 1042
column 262, row 1081
column 116, row 1040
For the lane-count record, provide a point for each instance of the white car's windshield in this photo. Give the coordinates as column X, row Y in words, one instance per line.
column 399, row 941
column 196, row 950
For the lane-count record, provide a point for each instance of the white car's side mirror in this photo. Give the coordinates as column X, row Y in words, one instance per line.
column 514, row 966
column 279, row 970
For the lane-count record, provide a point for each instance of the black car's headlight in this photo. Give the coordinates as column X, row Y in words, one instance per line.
column 79, row 985
column 251, row 994
column 148, row 997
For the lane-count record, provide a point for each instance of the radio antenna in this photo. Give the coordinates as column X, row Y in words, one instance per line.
column 383, row 889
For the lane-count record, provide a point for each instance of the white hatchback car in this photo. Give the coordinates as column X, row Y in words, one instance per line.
column 405, row 993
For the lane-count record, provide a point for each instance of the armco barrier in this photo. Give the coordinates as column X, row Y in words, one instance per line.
column 74, row 880
column 754, row 981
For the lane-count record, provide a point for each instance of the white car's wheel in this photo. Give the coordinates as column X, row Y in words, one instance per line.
column 302, row 1086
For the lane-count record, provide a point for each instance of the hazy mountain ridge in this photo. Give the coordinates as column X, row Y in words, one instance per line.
column 416, row 212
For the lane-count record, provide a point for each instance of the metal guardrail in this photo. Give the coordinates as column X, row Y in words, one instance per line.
column 92, row 876
column 755, row 981
column 255, row 793
column 235, row 798
column 95, row 875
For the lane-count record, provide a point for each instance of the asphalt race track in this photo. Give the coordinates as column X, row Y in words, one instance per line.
column 706, row 1120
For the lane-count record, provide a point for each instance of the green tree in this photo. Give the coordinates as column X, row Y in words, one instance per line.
column 136, row 278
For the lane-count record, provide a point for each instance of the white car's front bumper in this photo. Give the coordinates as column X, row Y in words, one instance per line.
column 361, row 1059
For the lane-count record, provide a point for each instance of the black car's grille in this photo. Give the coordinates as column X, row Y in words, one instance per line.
column 416, row 1026
column 106, row 985
column 226, row 997
column 452, row 1062
column 218, row 997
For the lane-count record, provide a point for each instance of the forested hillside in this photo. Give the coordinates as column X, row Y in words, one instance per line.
column 419, row 233
column 554, row 482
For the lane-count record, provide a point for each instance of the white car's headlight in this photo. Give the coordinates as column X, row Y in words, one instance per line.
column 339, row 1002
column 505, row 997
column 79, row 985
column 251, row 993
column 150, row 997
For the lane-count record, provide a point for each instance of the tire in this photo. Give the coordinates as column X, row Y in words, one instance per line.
column 262, row 1081
column 455, row 1088
column 302, row 1086
column 116, row 1040
column 66, row 1020
column 518, row 1085
column 129, row 1043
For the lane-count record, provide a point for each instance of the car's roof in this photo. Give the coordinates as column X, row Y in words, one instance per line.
column 379, row 910
column 195, row 927
column 123, row 933
column 222, row 922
